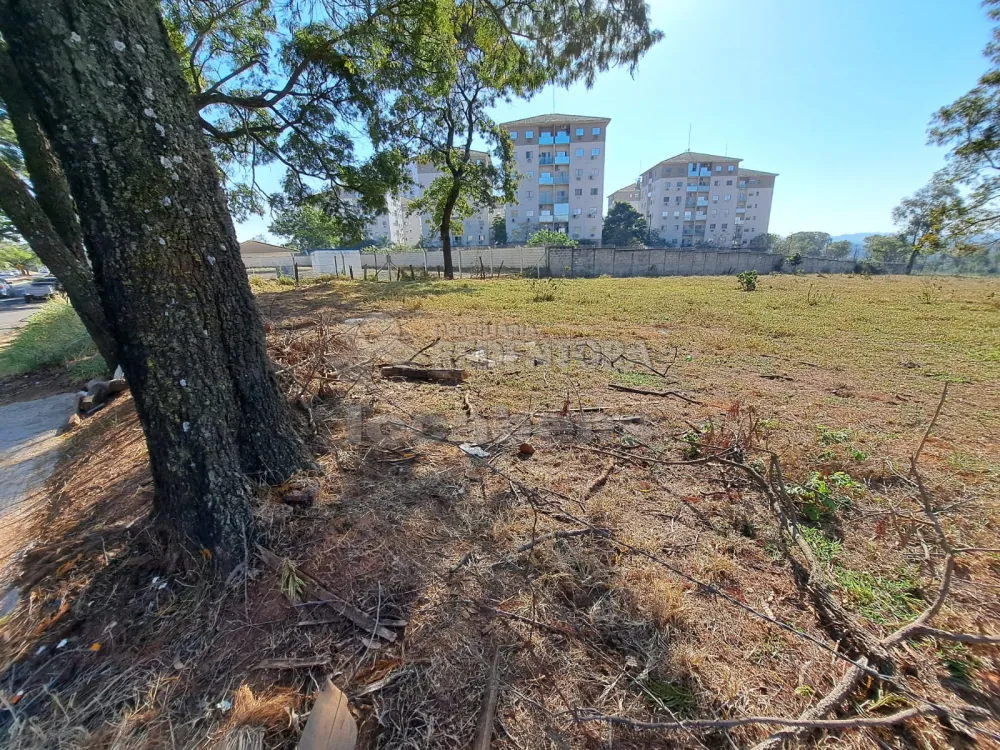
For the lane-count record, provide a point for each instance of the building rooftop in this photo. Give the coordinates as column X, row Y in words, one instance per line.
column 756, row 173
column 554, row 120
column 256, row 246
column 689, row 156
column 630, row 186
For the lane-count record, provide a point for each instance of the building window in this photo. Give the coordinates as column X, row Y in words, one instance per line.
column 595, row 131
column 666, row 199
column 577, row 211
column 725, row 212
column 679, row 184
column 578, row 192
column 667, row 171
column 529, row 174
column 591, row 213
column 677, row 200
column 579, row 152
column 595, row 152
column 529, row 133
column 731, row 168
column 529, row 193
column 529, row 213
column 595, row 173
column 676, row 227
column 513, row 135
column 715, row 212
column 716, row 183
column 725, row 226
column 728, row 196
column 481, row 238
column 593, row 191
column 579, row 174
column 718, row 168
column 715, row 198
column 729, row 182
column 579, row 132
column 527, row 155
column 677, row 214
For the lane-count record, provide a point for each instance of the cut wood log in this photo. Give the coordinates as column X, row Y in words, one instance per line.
column 331, row 725
column 334, row 602
column 443, row 375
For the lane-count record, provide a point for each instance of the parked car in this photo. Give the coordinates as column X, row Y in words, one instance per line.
column 42, row 288
column 6, row 290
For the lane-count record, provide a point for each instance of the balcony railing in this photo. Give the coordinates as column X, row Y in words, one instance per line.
column 703, row 172
column 546, row 161
column 562, row 160
column 693, row 232
column 561, row 209
column 562, row 178
column 703, row 201
column 545, row 196
column 562, row 138
column 692, row 188
column 741, row 210
column 545, row 140
column 543, row 180
column 700, row 216
column 545, row 218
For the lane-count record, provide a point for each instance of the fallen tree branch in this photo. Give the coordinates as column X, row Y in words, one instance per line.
column 860, row 722
column 444, row 376
column 946, row 635
column 645, row 392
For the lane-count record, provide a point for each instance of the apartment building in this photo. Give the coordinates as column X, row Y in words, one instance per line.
column 695, row 199
column 398, row 225
column 630, row 194
column 561, row 162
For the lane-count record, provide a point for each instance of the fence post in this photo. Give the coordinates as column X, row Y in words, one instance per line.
column 459, row 262
column 491, row 260
column 522, row 260
column 572, row 262
column 295, row 269
column 614, row 254
column 663, row 265
column 425, row 263
column 593, row 264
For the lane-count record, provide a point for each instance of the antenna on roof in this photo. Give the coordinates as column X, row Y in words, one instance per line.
column 726, row 152
column 689, row 137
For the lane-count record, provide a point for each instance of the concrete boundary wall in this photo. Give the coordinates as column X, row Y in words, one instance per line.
column 588, row 262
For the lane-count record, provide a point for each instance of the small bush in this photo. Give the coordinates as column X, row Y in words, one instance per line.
column 795, row 259
column 747, row 280
column 544, row 290
column 52, row 336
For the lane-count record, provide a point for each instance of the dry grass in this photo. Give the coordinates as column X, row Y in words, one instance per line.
column 409, row 528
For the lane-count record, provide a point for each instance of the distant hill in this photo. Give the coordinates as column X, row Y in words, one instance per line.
column 857, row 238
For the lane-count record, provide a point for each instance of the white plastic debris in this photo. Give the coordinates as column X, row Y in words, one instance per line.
column 474, row 450
column 62, row 643
column 224, row 705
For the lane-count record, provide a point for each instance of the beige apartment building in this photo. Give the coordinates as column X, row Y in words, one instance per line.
column 695, row 199
column 561, row 162
column 398, row 225
column 630, row 194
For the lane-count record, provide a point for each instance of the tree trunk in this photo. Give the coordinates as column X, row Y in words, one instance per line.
column 913, row 259
column 43, row 167
column 106, row 86
column 33, row 224
column 449, row 208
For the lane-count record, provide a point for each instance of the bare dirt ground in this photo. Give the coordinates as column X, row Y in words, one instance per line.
column 634, row 558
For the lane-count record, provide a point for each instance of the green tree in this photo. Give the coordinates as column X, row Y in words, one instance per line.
column 809, row 244
column 840, row 249
column 969, row 128
column 307, row 227
column 624, row 226
column 546, row 237
column 498, row 229
column 769, row 243
column 886, row 248
column 915, row 217
column 18, row 256
column 166, row 260
column 477, row 55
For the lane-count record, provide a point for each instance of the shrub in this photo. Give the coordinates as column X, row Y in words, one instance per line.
column 747, row 280
column 795, row 259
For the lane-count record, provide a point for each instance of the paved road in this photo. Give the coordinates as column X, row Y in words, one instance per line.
column 13, row 315
column 28, row 444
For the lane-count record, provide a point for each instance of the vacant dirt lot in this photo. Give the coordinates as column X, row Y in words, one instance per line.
column 634, row 555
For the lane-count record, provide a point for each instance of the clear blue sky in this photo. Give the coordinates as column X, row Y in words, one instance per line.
column 834, row 95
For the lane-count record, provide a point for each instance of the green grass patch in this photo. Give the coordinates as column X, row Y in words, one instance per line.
column 822, row 546
column 677, row 698
column 53, row 336
column 879, row 599
column 638, row 379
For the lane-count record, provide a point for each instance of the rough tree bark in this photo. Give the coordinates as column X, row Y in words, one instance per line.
column 106, row 86
column 47, row 219
column 34, row 225
column 449, row 208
